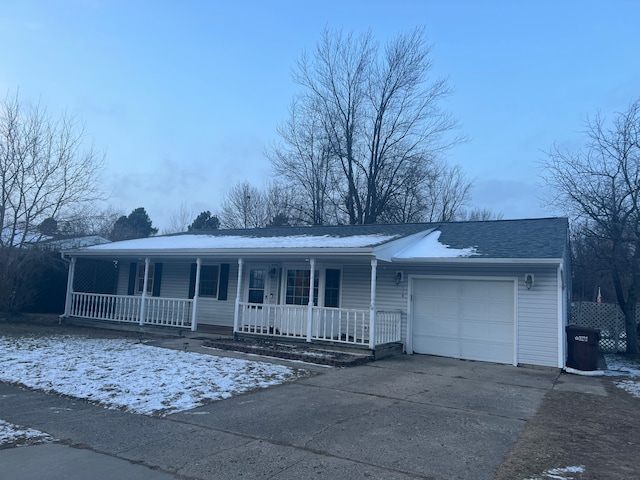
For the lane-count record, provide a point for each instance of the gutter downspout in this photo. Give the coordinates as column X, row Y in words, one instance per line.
column 561, row 317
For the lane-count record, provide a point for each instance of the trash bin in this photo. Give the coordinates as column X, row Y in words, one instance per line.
column 582, row 351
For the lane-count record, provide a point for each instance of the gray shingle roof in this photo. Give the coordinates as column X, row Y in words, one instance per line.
column 530, row 238
column 525, row 238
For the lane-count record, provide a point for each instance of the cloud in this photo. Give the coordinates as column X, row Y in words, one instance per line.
column 512, row 198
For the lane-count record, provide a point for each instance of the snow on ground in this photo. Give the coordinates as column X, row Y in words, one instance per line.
column 559, row 473
column 126, row 375
column 11, row 434
column 618, row 365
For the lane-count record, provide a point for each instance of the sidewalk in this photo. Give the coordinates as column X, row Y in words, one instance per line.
column 59, row 462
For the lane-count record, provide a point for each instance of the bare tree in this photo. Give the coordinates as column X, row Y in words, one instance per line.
column 89, row 219
column 281, row 205
column 447, row 192
column 247, row 206
column 243, row 207
column 304, row 162
column 46, row 171
column 600, row 186
column 478, row 214
column 368, row 121
column 180, row 219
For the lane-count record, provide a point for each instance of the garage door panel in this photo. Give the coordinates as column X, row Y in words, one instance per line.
column 479, row 351
column 440, row 327
column 440, row 345
column 464, row 318
column 489, row 333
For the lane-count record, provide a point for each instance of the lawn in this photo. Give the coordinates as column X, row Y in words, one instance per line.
column 128, row 375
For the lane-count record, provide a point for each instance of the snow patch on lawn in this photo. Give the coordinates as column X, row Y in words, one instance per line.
column 559, row 473
column 618, row 365
column 14, row 435
column 126, row 375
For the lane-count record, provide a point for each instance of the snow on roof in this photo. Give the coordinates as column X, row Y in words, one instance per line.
column 430, row 247
column 20, row 236
column 215, row 242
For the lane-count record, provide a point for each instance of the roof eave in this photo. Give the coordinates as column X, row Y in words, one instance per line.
column 478, row 260
column 236, row 253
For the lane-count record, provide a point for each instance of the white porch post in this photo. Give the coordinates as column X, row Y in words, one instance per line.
column 69, row 298
column 143, row 300
column 196, row 294
column 372, row 311
column 236, row 313
column 312, row 268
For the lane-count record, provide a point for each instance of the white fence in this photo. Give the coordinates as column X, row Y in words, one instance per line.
column 607, row 317
column 340, row 325
column 174, row 312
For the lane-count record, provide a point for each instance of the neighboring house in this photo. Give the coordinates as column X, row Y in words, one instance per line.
column 21, row 239
column 69, row 242
column 493, row 291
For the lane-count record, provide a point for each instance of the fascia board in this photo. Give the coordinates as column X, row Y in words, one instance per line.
column 487, row 260
column 290, row 252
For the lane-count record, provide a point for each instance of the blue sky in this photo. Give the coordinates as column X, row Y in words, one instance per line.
column 184, row 96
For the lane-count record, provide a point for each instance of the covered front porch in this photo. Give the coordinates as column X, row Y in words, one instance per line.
column 252, row 314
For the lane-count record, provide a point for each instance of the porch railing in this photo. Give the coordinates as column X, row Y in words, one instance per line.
column 174, row 312
column 340, row 325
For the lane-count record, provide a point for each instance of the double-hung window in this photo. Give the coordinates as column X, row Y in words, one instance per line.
column 332, row 287
column 140, row 279
column 209, row 280
column 297, row 292
column 297, row 287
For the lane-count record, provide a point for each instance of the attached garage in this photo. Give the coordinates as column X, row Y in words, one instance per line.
column 467, row 318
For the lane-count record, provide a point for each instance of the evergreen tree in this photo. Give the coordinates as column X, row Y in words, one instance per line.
column 136, row 225
column 205, row 221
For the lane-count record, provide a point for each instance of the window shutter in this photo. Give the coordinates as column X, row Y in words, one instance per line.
column 192, row 281
column 133, row 273
column 224, row 281
column 157, row 278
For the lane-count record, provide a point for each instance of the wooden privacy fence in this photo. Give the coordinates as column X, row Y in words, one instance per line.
column 608, row 318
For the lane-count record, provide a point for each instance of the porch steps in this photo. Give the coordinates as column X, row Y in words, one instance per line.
column 297, row 349
column 300, row 351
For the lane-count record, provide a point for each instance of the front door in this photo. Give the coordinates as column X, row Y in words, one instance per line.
column 256, row 293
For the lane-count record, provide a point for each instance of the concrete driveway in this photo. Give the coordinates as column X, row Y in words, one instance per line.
column 403, row 417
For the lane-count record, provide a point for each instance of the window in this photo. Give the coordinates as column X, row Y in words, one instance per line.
column 297, row 292
column 209, row 275
column 140, row 279
column 332, row 287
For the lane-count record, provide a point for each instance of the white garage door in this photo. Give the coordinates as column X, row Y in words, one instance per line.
column 470, row 319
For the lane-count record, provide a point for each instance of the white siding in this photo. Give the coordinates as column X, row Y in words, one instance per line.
column 536, row 309
column 538, row 319
column 356, row 286
column 175, row 284
column 212, row 311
